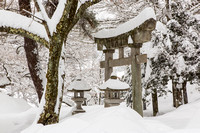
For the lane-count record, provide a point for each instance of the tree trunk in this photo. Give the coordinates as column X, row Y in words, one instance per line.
column 154, row 101
column 144, row 99
column 31, row 50
column 177, row 95
column 144, row 104
column 50, row 114
column 174, row 93
column 185, row 97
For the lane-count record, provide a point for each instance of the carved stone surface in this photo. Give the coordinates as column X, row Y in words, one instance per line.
column 112, row 102
column 79, row 108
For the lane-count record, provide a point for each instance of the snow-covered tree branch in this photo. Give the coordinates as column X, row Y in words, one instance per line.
column 51, row 32
column 14, row 23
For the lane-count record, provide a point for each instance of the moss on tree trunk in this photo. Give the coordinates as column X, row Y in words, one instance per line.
column 49, row 115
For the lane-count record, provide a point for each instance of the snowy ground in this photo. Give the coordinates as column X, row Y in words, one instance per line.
column 17, row 116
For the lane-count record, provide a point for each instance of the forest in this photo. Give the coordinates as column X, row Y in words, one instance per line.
column 64, row 63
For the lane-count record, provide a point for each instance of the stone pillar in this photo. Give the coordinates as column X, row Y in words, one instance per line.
column 108, row 69
column 108, row 56
column 136, row 79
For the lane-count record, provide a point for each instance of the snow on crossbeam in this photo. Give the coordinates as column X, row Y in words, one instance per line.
column 146, row 14
column 17, row 21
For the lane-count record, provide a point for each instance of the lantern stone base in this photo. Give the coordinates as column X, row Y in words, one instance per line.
column 78, row 102
column 112, row 102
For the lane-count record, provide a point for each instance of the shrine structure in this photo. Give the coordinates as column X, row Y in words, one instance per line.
column 131, row 34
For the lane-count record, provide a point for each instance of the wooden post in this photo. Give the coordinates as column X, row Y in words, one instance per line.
column 136, row 80
column 108, row 69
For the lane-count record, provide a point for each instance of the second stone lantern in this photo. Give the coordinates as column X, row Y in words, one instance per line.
column 112, row 88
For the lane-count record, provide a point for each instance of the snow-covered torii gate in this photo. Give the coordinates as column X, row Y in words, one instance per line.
column 131, row 34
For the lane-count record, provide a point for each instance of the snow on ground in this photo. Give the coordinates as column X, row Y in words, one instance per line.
column 165, row 102
column 12, row 105
column 98, row 119
column 15, row 114
column 102, row 120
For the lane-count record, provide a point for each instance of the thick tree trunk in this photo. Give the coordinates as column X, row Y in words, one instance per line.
column 154, row 101
column 50, row 114
column 185, row 97
column 31, row 50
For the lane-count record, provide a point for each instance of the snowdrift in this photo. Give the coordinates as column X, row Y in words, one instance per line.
column 97, row 119
column 12, row 105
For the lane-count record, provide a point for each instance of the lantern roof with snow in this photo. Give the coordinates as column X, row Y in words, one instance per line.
column 79, row 85
column 135, row 31
column 114, row 84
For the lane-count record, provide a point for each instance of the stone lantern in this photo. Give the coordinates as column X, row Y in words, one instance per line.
column 78, row 86
column 112, row 88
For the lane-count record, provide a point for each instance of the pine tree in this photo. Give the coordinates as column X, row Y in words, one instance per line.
column 184, row 55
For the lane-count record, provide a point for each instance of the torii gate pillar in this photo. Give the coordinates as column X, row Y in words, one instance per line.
column 136, row 78
column 108, row 56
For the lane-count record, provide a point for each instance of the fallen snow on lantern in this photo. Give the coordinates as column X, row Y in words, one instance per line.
column 78, row 87
column 112, row 88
